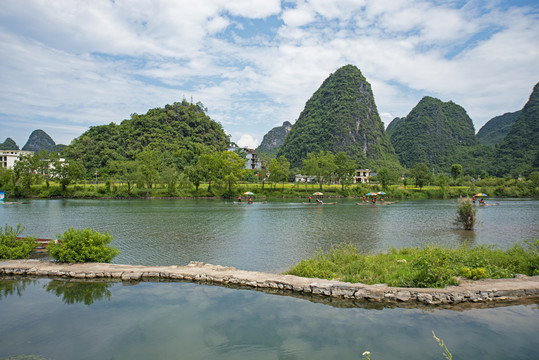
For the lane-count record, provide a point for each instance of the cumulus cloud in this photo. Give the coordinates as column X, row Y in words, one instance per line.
column 247, row 140
column 254, row 64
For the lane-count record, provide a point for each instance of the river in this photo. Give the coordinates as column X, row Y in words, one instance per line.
column 52, row 319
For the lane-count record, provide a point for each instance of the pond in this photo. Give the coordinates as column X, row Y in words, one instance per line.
column 269, row 237
column 52, row 319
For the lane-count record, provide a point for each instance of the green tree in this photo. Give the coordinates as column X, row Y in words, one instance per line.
column 67, row 172
column 386, row 176
column 279, row 169
column 231, row 169
column 25, row 170
column 322, row 166
column 456, row 170
column 421, row 174
column 149, row 165
column 345, row 168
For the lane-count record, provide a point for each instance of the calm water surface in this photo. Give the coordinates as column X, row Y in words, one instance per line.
column 66, row 320
column 268, row 237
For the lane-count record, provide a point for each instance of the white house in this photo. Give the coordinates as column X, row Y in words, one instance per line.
column 8, row 158
column 251, row 158
column 362, row 176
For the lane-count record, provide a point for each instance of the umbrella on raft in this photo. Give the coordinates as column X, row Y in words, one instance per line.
column 480, row 194
column 318, row 193
column 248, row 193
column 381, row 193
column 370, row 194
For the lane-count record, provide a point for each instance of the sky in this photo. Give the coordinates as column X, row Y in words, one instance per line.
column 67, row 65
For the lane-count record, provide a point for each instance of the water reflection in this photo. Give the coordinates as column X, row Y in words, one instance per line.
column 14, row 287
column 191, row 321
column 86, row 292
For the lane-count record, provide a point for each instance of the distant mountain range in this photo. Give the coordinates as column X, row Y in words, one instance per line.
column 340, row 116
column 38, row 140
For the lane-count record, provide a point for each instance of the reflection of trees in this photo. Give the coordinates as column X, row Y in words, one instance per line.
column 14, row 287
column 79, row 292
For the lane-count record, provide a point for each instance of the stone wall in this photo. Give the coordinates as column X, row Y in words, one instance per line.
column 479, row 291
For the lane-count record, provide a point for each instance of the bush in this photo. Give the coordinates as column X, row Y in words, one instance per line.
column 86, row 245
column 466, row 214
column 13, row 248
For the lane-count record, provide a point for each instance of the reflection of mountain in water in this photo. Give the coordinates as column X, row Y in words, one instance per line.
column 79, row 292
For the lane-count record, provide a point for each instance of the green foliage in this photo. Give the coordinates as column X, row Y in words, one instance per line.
column 340, row 116
column 466, row 214
column 456, row 170
column 179, row 133
column 78, row 246
column 431, row 266
column 13, row 248
column 421, row 174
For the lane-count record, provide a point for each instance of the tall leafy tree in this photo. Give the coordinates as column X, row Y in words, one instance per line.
column 68, row 172
column 421, row 174
column 231, row 169
column 149, row 165
column 456, row 170
column 321, row 165
column 345, row 168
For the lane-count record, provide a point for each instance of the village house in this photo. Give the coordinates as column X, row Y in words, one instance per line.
column 8, row 158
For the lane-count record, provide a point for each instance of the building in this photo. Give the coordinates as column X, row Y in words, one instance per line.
column 362, row 176
column 8, row 158
column 305, row 178
column 252, row 162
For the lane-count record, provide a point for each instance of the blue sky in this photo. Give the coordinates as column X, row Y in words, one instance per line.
column 71, row 64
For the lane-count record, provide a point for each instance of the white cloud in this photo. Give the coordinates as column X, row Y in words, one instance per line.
column 95, row 62
column 248, row 141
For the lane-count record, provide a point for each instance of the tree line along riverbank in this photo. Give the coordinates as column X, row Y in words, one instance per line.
column 493, row 187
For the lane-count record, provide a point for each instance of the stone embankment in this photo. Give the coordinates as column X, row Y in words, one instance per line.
column 480, row 291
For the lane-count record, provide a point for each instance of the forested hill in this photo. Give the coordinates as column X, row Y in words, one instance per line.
column 341, row 116
column 9, row 144
column 39, row 140
column 179, row 132
column 495, row 130
column 432, row 133
column 274, row 139
column 519, row 151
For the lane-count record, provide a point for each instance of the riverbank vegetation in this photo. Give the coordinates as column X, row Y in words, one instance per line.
column 428, row 267
column 13, row 247
column 209, row 173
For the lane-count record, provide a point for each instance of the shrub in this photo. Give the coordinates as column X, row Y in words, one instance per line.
column 466, row 214
column 13, row 248
column 85, row 245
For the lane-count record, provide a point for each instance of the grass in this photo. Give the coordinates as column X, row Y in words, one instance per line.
column 431, row 266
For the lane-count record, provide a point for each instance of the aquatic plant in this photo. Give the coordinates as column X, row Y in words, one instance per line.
column 466, row 213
